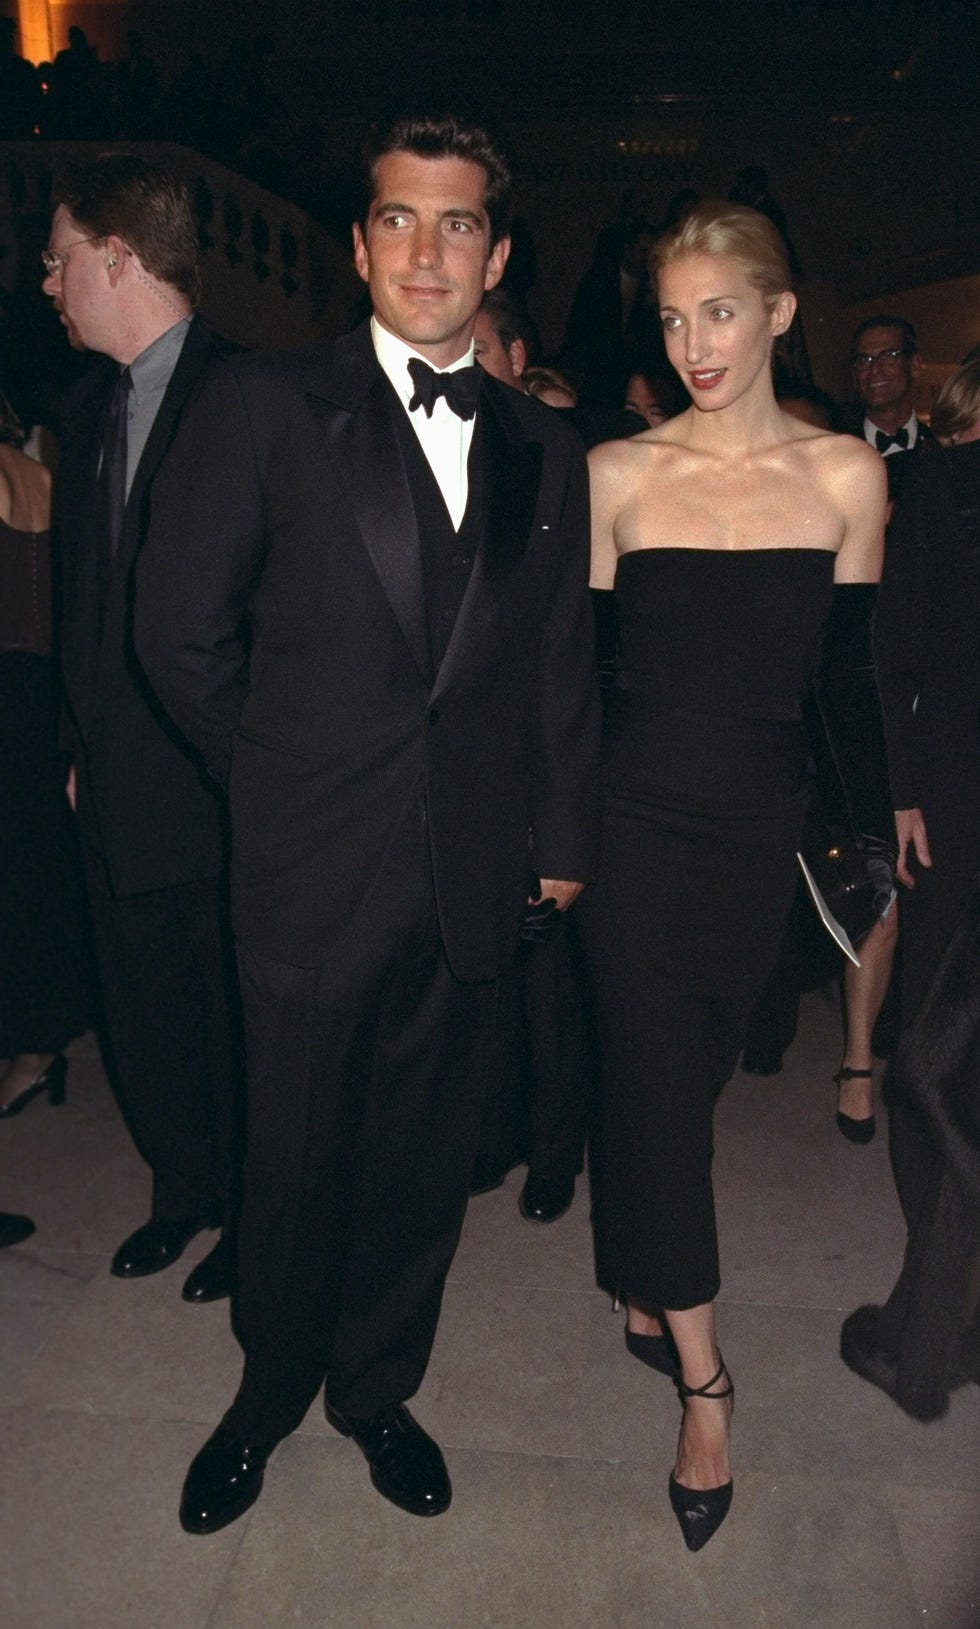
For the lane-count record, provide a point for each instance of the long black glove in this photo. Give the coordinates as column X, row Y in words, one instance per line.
column 847, row 693
column 606, row 638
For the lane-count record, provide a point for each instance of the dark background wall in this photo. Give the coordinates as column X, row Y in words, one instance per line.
column 866, row 114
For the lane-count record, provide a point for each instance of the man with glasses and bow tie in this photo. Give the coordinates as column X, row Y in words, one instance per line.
column 364, row 598
column 121, row 268
column 885, row 365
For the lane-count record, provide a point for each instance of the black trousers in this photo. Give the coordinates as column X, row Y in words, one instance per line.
column 544, row 1063
column 564, row 1053
column 173, row 1028
column 366, row 1086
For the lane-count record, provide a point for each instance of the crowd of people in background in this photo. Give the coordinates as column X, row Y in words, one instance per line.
column 224, row 107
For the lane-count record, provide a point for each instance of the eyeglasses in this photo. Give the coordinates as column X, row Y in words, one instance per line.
column 55, row 260
column 864, row 359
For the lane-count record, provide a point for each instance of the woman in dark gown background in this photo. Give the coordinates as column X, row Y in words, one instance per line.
column 723, row 534
column 925, row 1340
column 44, row 966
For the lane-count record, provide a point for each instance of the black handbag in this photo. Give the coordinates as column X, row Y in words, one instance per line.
column 839, row 867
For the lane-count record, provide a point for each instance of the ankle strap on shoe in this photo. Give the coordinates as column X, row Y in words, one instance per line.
column 705, row 1390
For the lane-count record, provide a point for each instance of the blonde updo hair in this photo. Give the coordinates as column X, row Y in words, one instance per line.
column 958, row 403
column 733, row 232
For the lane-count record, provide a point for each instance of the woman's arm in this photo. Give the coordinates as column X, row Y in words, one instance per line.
column 861, row 487
column 605, row 488
column 847, row 688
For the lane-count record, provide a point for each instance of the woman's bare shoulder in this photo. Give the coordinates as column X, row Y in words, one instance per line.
column 632, row 458
column 849, row 454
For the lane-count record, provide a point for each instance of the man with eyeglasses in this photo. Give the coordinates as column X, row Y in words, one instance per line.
column 885, row 365
column 121, row 269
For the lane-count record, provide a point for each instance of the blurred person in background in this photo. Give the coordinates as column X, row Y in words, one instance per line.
column 925, row 1339
column 44, row 959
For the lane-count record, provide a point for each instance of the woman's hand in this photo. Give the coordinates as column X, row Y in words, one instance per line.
column 912, row 836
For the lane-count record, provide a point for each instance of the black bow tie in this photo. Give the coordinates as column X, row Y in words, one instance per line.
column 461, row 389
column 883, row 440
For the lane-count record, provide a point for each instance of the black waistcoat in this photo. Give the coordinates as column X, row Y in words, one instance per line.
column 447, row 555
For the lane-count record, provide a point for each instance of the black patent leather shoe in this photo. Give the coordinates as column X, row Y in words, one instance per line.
column 544, row 1199
column 224, row 1480
column 152, row 1248
column 14, row 1229
column 214, row 1277
column 407, row 1467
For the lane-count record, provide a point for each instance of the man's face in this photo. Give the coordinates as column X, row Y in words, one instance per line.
column 79, row 288
column 425, row 252
column 505, row 362
column 884, row 382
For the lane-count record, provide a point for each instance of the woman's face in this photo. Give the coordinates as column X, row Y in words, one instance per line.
column 641, row 398
column 718, row 330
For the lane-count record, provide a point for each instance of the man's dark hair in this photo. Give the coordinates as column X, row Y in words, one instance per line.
column 510, row 321
column 442, row 135
column 909, row 341
column 148, row 207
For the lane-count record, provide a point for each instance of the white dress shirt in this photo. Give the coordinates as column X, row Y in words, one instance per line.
column 445, row 438
column 871, row 430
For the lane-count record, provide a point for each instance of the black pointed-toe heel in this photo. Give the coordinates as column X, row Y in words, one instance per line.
column 50, row 1080
column 656, row 1351
column 701, row 1511
column 856, row 1131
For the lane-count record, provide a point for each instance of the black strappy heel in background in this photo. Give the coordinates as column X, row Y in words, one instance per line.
column 50, row 1080
column 856, row 1131
column 701, row 1511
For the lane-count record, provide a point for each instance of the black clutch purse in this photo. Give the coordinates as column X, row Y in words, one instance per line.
column 839, row 867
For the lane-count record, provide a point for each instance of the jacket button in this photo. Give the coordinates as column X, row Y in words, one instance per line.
column 433, row 715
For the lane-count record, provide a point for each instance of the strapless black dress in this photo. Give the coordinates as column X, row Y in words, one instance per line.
column 705, row 787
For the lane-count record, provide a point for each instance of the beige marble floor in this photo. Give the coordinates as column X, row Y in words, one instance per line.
column 847, row 1515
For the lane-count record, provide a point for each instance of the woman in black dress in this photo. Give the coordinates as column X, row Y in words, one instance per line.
column 44, row 970
column 723, row 533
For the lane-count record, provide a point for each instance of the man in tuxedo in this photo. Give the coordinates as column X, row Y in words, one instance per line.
column 122, row 271
column 371, row 559
column 885, row 366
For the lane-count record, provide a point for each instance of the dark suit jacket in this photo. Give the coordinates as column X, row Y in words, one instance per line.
column 929, row 676
column 143, row 798
column 926, row 643
column 898, row 465
column 285, row 508
column 598, row 350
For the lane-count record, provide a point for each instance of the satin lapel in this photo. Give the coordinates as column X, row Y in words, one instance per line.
column 365, row 448
column 510, row 480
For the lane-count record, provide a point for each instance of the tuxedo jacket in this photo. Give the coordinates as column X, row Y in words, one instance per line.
column 898, row 465
column 281, row 617
column 143, row 798
column 926, row 647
